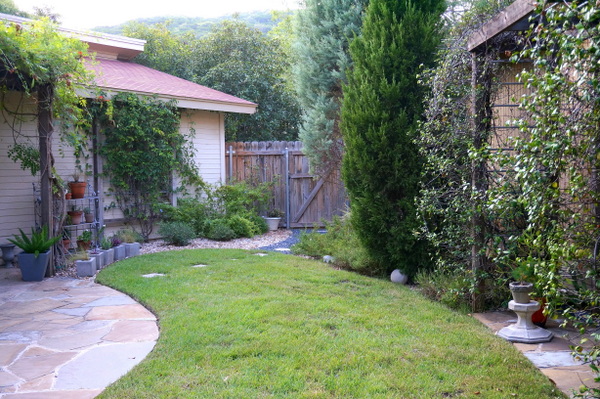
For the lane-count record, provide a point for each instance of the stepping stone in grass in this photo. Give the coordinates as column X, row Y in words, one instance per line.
column 152, row 275
column 200, row 265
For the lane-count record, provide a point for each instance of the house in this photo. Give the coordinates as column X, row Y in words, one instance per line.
column 205, row 111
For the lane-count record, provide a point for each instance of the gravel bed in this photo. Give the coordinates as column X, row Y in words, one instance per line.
column 280, row 240
column 258, row 242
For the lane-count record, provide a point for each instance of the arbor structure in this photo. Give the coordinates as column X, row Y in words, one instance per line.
column 454, row 142
column 381, row 107
column 324, row 30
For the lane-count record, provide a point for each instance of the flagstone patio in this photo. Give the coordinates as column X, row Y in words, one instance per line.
column 66, row 338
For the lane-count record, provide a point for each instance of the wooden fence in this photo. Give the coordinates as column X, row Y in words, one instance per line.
column 303, row 198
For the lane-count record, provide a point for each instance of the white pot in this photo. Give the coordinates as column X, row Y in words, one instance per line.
column 273, row 223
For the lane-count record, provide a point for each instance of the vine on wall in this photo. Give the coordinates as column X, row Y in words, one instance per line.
column 143, row 149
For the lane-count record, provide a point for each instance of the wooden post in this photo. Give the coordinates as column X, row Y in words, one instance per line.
column 45, row 130
column 481, row 125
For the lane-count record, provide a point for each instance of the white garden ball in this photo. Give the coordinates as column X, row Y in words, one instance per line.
column 398, row 277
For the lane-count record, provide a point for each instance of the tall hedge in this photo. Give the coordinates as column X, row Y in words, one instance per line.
column 381, row 107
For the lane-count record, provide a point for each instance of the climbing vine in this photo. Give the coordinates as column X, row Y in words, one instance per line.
column 143, row 150
column 34, row 55
column 556, row 164
column 453, row 143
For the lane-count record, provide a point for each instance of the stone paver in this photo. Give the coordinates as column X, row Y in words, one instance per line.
column 67, row 339
column 552, row 358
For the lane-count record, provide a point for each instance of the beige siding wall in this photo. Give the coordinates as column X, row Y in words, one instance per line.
column 16, row 190
column 16, row 194
column 209, row 141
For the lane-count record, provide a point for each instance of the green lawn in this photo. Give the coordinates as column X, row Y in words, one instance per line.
column 279, row 326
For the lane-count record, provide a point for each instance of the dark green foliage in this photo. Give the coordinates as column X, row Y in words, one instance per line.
column 142, row 149
column 381, row 108
column 341, row 242
column 9, row 7
column 259, row 222
column 193, row 212
column 220, row 231
column 237, row 59
column 224, row 213
column 324, row 30
column 37, row 243
column 176, row 233
column 242, row 226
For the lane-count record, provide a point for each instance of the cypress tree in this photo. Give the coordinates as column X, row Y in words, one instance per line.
column 323, row 32
column 380, row 111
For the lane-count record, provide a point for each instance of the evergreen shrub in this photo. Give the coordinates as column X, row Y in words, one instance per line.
column 176, row 233
column 220, row 231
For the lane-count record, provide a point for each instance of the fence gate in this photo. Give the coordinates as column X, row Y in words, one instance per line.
column 305, row 199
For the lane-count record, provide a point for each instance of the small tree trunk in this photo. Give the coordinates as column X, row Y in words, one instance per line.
column 45, row 130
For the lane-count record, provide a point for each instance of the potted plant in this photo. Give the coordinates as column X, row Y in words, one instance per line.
column 130, row 237
column 88, row 215
column 84, row 241
column 75, row 214
column 66, row 240
column 86, row 266
column 273, row 218
column 77, row 187
column 33, row 261
column 119, row 249
column 524, row 274
column 109, row 252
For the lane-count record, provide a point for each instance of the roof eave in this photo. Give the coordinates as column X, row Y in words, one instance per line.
column 182, row 102
column 514, row 17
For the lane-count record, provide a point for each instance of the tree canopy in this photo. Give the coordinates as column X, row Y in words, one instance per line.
column 235, row 59
column 240, row 60
column 324, row 30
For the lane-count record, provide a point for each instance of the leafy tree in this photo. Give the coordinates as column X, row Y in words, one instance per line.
column 381, row 108
column 236, row 59
column 242, row 61
column 9, row 7
column 199, row 26
column 164, row 50
column 323, row 32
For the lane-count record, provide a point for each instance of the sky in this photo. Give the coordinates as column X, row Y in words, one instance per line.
column 87, row 14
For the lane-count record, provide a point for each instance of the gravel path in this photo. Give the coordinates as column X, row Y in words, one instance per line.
column 285, row 245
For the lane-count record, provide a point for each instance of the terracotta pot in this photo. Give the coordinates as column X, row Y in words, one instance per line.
column 539, row 318
column 77, row 189
column 75, row 216
column 68, row 196
column 66, row 245
column 84, row 245
column 89, row 217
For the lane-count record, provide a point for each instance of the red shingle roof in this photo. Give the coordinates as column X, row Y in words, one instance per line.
column 127, row 76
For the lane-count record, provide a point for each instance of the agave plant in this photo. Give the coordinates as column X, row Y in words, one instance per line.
column 36, row 244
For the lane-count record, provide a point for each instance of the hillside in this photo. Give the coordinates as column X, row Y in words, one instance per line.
column 261, row 20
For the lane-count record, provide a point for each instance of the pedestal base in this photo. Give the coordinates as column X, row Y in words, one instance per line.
column 524, row 330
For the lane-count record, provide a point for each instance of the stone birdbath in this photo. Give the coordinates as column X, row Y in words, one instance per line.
column 524, row 330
